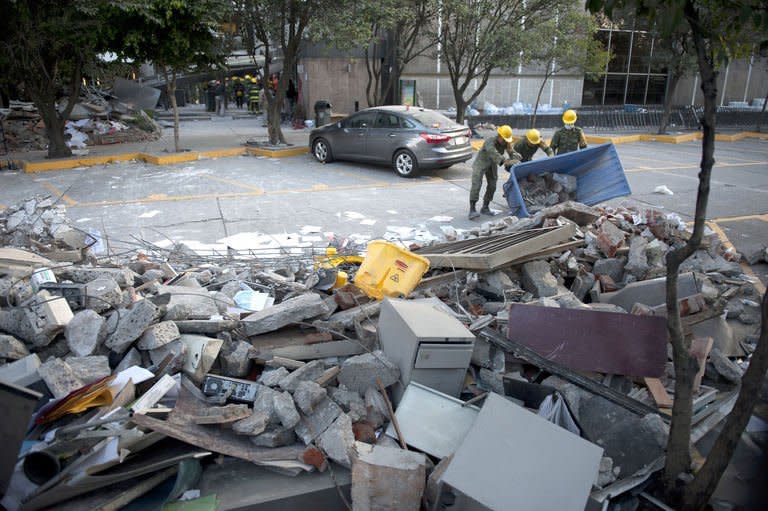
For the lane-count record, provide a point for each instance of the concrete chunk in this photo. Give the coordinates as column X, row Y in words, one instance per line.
column 313, row 425
column 272, row 377
column 274, row 436
column 637, row 264
column 610, row 238
column 265, row 403
column 83, row 275
column 131, row 324
column 59, row 377
column 102, row 294
column 345, row 320
column 85, row 332
column 235, row 358
column 725, row 367
column 310, row 371
column 361, row 372
column 283, row 314
column 387, row 479
column 538, row 279
column 612, row 266
column 253, row 425
column 338, row 440
column 285, row 409
column 158, row 335
column 351, row 402
column 89, row 369
column 308, row 394
column 188, row 303
column 178, row 352
column 11, row 348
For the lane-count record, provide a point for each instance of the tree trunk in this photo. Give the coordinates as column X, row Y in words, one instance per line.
column 674, row 79
column 57, row 144
column 698, row 493
column 538, row 98
column 678, row 447
column 171, row 91
column 461, row 105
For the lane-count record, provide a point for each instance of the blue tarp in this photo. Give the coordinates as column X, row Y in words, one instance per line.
column 598, row 170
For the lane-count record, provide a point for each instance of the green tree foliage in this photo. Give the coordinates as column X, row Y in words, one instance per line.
column 719, row 30
column 565, row 42
column 46, row 45
column 175, row 35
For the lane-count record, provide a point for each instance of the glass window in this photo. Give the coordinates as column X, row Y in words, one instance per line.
column 641, row 53
column 619, row 52
column 387, row 121
column 432, row 119
column 363, row 120
column 593, row 92
column 636, row 89
column 614, row 89
column 658, row 63
column 657, row 86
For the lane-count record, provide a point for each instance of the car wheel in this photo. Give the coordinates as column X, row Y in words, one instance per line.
column 322, row 151
column 405, row 164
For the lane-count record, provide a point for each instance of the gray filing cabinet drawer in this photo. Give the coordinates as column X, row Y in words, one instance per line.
column 440, row 356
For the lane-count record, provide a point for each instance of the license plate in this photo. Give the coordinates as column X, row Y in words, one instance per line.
column 460, row 140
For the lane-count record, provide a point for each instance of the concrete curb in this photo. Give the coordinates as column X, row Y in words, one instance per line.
column 165, row 159
column 169, row 159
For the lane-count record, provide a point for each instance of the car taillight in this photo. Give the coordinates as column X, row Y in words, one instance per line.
column 434, row 139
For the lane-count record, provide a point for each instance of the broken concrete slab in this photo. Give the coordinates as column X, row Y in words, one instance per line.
column 253, row 425
column 178, row 352
column 131, row 358
column 338, row 440
column 227, row 414
column 102, row 294
column 574, row 211
column 637, row 263
column 275, row 436
column 265, row 403
column 85, row 332
column 11, row 348
column 188, row 303
column 235, row 358
column 313, row 425
column 345, row 319
column 351, row 402
column 272, row 377
column 725, row 367
column 83, row 274
column 310, row 371
column 613, row 267
column 59, row 377
column 610, row 238
column 285, row 409
column 387, row 479
column 206, row 326
column 650, row 292
column 293, row 310
column 131, row 324
column 89, row 369
column 633, row 442
column 158, row 335
column 22, row 372
column 309, row 394
column 582, row 284
column 361, row 372
column 538, row 279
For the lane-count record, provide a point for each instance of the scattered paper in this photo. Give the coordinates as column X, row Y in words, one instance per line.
column 134, row 373
column 311, row 229
column 663, row 190
column 368, row 221
column 149, row 214
column 353, row 215
column 441, row 218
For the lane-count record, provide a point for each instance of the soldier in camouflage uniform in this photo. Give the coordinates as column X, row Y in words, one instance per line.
column 569, row 138
column 532, row 142
column 487, row 162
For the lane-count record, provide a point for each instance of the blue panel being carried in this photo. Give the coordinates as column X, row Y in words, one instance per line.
column 598, row 170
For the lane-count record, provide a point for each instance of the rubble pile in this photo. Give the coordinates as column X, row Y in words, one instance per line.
column 542, row 190
column 98, row 119
column 161, row 362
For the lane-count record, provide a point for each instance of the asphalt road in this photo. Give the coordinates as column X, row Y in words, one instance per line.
column 235, row 201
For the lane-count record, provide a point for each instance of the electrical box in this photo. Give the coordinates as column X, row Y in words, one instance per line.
column 429, row 346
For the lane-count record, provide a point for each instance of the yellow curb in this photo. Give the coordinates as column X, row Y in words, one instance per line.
column 621, row 139
column 223, row 153
column 44, row 166
column 755, row 134
column 730, row 138
column 280, row 153
column 168, row 159
column 671, row 139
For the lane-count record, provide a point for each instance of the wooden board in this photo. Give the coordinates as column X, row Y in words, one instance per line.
column 658, row 392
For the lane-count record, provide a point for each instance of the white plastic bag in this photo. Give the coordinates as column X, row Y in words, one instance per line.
column 554, row 409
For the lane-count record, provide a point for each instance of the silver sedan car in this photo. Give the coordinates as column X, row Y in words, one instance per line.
column 408, row 138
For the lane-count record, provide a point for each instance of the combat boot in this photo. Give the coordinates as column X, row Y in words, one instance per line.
column 472, row 211
column 486, row 210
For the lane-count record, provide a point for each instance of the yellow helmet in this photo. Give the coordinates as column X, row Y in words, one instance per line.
column 569, row 117
column 505, row 132
column 533, row 136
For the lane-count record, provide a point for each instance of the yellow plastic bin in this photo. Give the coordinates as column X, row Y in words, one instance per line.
column 389, row 270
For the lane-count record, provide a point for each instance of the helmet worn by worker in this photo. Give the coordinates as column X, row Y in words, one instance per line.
column 569, row 117
column 505, row 132
column 533, row 137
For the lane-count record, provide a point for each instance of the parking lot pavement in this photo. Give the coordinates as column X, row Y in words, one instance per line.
column 205, row 201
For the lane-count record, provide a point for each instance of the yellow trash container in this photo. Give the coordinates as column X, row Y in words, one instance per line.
column 389, row 270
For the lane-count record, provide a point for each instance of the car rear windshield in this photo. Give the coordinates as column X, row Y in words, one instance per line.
column 433, row 119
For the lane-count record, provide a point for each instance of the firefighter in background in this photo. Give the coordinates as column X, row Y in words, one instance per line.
column 239, row 90
column 569, row 138
column 254, row 96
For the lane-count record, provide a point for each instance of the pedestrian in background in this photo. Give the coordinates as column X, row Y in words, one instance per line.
column 220, row 92
column 569, row 138
column 239, row 90
column 531, row 143
column 486, row 164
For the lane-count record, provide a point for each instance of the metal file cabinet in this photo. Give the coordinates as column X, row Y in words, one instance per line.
column 428, row 345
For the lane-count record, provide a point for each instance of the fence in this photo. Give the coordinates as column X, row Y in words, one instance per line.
column 632, row 118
